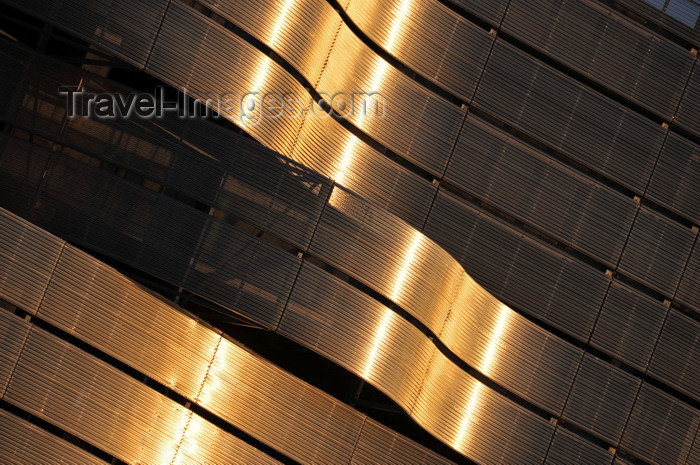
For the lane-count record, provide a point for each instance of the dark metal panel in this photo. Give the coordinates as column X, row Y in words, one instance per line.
column 528, row 184
column 13, row 334
column 594, row 40
column 688, row 114
column 568, row 449
column 661, row 428
column 628, row 325
column 657, row 251
column 602, row 398
column 688, row 290
column 675, row 183
column 570, row 117
column 677, row 356
column 491, row 11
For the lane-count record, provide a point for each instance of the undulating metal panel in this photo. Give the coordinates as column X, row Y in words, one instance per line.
column 661, row 429
column 528, row 184
column 657, row 251
column 628, row 325
column 516, row 268
column 300, row 32
column 27, row 261
column 477, row 421
column 688, row 291
column 676, row 177
column 601, row 398
column 603, row 45
column 379, row 445
column 568, row 449
column 124, row 27
column 25, row 443
column 688, row 114
column 325, row 146
column 676, row 358
column 554, row 108
column 199, row 54
column 417, row 124
column 429, row 38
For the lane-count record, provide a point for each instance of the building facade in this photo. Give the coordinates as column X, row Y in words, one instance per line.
column 495, row 261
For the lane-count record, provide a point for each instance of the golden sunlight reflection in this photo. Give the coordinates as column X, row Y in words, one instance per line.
column 379, row 335
column 408, row 261
column 375, row 81
column 487, row 367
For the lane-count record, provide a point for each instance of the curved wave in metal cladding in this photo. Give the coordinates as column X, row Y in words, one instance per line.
column 352, row 235
column 68, row 289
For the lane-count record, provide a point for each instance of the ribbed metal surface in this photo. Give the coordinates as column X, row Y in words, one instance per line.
column 432, row 40
column 517, row 268
column 417, row 124
column 683, row 20
column 602, row 398
column 301, row 32
column 277, row 408
column 25, row 265
column 676, row 177
column 556, row 109
column 538, row 190
column 491, row 11
column 569, row 449
column 13, row 333
column 477, row 421
column 379, row 445
column 103, row 406
column 688, row 290
column 688, row 114
column 661, row 429
column 104, row 309
column 327, row 147
column 25, row 443
column 628, row 325
column 657, row 250
column 677, row 356
column 125, row 27
column 648, row 69
column 21, row 173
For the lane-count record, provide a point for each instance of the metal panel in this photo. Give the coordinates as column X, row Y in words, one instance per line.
column 570, row 117
column 528, row 184
column 491, row 11
column 429, row 38
column 681, row 20
column 277, row 408
column 602, row 398
column 647, row 68
column 517, row 268
column 688, row 114
column 676, row 177
column 379, row 445
column 677, row 355
column 13, row 333
column 417, row 124
column 688, row 291
column 661, row 429
column 568, row 449
column 124, row 27
column 300, row 32
column 22, row 165
column 25, row 443
column 356, row 332
column 628, row 325
column 27, row 260
column 657, row 251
